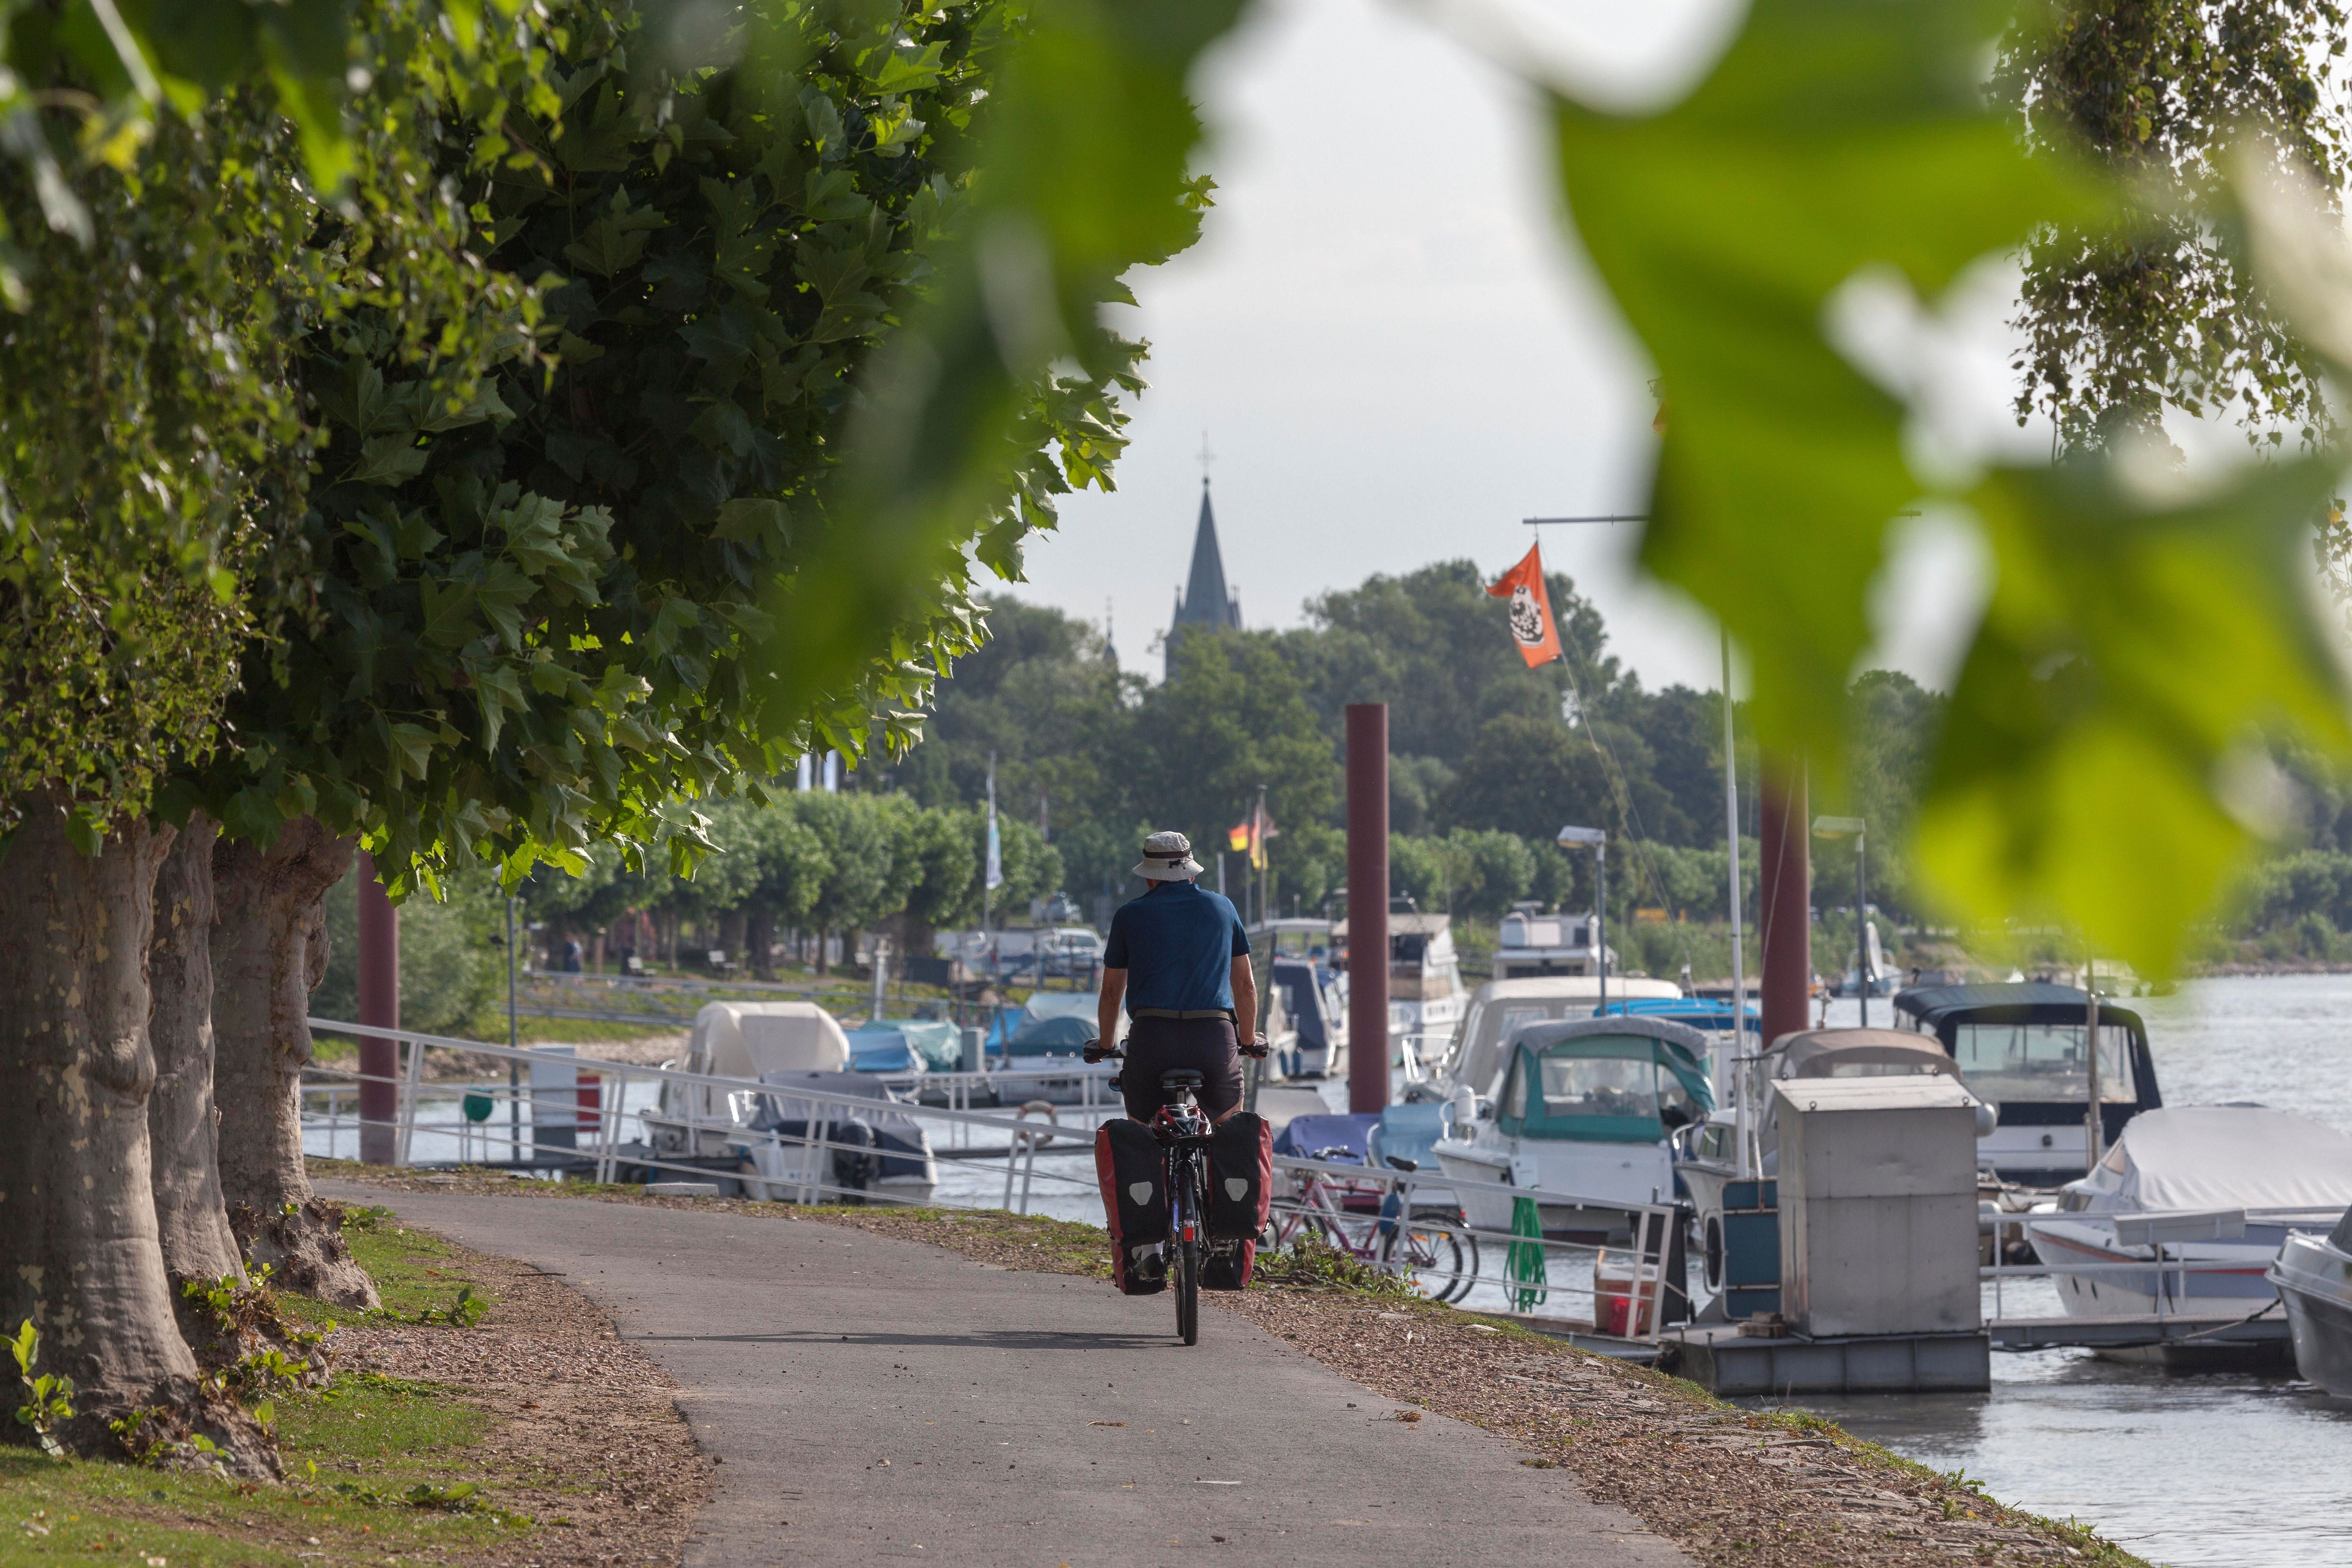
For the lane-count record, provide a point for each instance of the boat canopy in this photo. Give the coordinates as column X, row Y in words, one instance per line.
column 1338, row 1139
column 1041, row 1005
column 1698, row 1012
column 1605, row 1080
column 1065, row 1036
column 1854, row 1053
column 2015, row 1002
column 2222, row 1157
column 1477, row 1058
column 748, row 1039
column 929, row 1045
column 2022, row 1046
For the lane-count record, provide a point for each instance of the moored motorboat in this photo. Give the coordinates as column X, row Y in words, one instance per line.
column 1039, row 1050
column 1315, row 1003
column 2223, row 1187
column 1585, row 1109
column 1478, row 1056
column 2020, row 1045
column 2313, row 1276
column 806, row 1149
column 738, row 1040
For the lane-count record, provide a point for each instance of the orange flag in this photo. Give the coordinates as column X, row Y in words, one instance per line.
column 1531, row 623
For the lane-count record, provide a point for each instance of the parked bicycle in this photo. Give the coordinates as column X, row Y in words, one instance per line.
column 1368, row 1223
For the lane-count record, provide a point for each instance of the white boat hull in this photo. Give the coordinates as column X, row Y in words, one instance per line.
column 2242, row 1287
column 1605, row 1175
column 2315, row 1279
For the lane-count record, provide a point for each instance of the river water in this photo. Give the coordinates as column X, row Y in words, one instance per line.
column 2193, row 1472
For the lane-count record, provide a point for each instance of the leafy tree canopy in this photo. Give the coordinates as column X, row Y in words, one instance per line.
column 557, row 603
column 2152, row 307
column 156, row 443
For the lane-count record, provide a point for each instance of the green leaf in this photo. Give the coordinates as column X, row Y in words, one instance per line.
column 449, row 620
column 499, row 690
column 616, row 240
column 411, row 749
column 749, row 520
column 389, row 461
column 2129, row 667
column 1835, row 136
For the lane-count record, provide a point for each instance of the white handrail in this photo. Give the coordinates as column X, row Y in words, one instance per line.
column 1022, row 1138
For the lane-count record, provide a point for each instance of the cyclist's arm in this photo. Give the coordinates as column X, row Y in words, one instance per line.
column 1114, row 986
column 1244, row 1000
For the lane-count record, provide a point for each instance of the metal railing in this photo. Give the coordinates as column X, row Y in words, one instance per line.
column 800, row 1163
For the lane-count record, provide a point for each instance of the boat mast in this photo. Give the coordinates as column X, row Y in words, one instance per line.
column 2096, row 1128
column 1739, row 968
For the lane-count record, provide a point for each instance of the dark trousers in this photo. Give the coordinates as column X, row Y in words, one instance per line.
column 1155, row 1046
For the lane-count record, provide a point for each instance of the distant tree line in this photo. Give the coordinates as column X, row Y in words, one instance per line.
column 1488, row 758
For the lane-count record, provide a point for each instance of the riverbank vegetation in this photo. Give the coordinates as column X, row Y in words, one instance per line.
column 404, row 1432
column 1486, row 751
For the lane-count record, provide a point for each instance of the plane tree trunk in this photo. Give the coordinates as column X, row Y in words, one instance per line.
column 759, row 935
column 79, row 1253
column 191, row 1215
column 269, row 951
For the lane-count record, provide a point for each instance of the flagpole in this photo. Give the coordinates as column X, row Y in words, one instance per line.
column 991, row 871
column 1739, row 1075
column 1265, row 861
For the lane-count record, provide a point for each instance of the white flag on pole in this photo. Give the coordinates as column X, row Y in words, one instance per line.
column 996, row 847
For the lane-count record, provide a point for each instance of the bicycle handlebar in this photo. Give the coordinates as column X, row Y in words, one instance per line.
column 1094, row 1050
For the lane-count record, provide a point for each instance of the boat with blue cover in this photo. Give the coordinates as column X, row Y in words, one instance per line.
column 902, row 1046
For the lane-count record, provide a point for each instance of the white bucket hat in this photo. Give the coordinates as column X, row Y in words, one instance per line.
column 1167, row 857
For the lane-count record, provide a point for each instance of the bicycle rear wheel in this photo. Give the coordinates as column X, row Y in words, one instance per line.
column 1432, row 1249
column 1188, row 1292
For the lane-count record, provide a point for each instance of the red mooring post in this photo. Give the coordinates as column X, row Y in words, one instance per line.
column 379, row 1006
column 1784, row 878
column 1367, row 906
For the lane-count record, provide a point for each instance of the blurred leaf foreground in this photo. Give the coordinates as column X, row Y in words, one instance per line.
column 2101, row 765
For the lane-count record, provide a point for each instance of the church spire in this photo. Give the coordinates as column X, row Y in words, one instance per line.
column 1204, row 600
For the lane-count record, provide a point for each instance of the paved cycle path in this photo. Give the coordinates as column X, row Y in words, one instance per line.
column 875, row 1398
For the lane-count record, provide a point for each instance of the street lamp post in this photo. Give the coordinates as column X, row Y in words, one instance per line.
column 1594, row 839
column 1855, row 827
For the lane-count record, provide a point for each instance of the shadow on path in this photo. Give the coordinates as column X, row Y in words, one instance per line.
column 977, row 1338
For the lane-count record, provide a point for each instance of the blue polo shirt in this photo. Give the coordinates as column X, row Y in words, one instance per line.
column 1177, row 943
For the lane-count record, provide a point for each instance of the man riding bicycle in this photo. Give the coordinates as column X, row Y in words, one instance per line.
column 1186, row 1179
column 1179, row 958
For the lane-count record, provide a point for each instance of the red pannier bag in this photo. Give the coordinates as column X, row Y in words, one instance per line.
column 1240, row 1197
column 1134, row 1176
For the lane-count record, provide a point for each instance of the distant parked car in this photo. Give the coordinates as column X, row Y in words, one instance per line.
column 1069, row 950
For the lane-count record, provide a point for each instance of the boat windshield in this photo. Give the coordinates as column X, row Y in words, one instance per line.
column 1613, row 1098
column 1877, row 1070
column 1476, row 1059
column 1584, row 1087
column 2020, row 1063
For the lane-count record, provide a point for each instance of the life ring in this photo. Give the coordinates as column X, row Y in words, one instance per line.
column 1041, row 1138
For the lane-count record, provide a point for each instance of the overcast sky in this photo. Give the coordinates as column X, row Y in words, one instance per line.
column 1396, row 358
